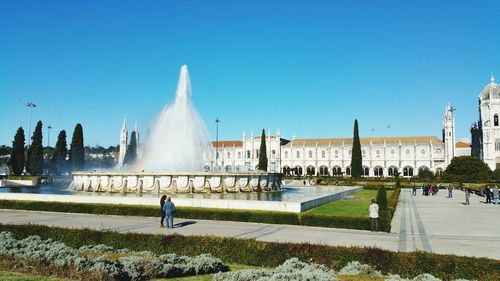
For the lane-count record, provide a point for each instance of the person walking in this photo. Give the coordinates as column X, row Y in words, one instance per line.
column 169, row 209
column 373, row 209
column 450, row 191
column 162, row 212
column 496, row 194
column 487, row 192
column 414, row 187
column 467, row 196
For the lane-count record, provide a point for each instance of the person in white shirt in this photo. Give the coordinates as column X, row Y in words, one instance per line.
column 373, row 215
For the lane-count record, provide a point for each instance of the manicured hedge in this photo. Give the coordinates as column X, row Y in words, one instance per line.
column 270, row 254
column 195, row 213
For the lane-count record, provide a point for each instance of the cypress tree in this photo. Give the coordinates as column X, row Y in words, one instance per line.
column 76, row 151
column 59, row 162
column 17, row 154
column 382, row 198
column 35, row 155
column 262, row 153
column 131, row 153
column 356, row 158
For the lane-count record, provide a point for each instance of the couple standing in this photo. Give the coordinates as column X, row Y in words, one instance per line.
column 167, row 209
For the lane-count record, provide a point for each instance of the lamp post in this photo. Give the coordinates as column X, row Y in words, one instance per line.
column 49, row 127
column 30, row 105
column 217, row 121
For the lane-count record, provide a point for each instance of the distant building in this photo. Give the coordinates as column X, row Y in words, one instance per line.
column 485, row 133
column 124, row 143
column 382, row 156
column 463, row 148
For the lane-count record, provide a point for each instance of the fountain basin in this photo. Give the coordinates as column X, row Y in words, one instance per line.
column 176, row 182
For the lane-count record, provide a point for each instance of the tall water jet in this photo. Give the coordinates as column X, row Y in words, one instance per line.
column 178, row 139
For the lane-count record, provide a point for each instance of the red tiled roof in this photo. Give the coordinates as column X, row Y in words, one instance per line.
column 227, row 143
column 462, row 144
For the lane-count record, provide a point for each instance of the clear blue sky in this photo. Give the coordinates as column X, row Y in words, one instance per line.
column 306, row 67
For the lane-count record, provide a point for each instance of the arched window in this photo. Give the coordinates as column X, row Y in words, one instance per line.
column 336, row 154
column 310, row 154
column 298, row 154
column 392, row 171
column 495, row 120
column 337, row 171
column 323, row 170
column 273, row 153
column 348, row 171
column 239, row 154
column 323, row 154
column 366, row 171
column 286, row 154
column 378, row 171
column 248, row 154
column 408, row 171
column 256, row 153
column 378, row 153
column 310, row 170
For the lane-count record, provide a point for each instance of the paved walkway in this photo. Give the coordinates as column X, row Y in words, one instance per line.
column 435, row 224
column 445, row 225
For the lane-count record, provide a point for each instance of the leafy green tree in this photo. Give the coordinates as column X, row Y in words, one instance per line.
column 496, row 174
column 59, row 162
column 262, row 153
column 5, row 150
column 425, row 174
column 356, row 158
column 76, row 150
column 17, row 155
column 131, row 153
column 467, row 168
column 35, row 154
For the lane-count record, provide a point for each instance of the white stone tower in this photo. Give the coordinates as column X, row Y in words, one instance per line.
column 449, row 135
column 489, row 114
column 137, row 138
column 123, row 143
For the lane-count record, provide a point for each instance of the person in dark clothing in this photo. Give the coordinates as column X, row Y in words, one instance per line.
column 414, row 187
column 162, row 212
column 487, row 192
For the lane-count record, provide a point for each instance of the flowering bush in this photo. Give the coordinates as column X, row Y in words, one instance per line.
column 102, row 262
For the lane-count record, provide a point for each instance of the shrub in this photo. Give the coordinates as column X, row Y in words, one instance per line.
column 102, row 265
column 292, row 269
column 259, row 253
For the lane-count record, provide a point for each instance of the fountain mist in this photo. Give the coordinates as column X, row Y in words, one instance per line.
column 178, row 139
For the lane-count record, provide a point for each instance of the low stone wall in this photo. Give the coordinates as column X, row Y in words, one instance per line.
column 296, row 206
column 14, row 183
column 123, row 182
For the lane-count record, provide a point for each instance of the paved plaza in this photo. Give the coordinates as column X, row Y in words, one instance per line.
column 428, row 223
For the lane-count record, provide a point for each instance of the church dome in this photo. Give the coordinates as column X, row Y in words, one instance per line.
column 491, row 90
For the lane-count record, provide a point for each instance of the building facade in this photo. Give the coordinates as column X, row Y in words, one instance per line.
column 485, row 134
column 382, row 156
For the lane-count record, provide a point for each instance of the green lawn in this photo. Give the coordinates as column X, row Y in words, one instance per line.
column 355, row 205
column 14, row 276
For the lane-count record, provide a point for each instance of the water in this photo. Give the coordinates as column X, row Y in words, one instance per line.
column 289, row 194
column 179, row 139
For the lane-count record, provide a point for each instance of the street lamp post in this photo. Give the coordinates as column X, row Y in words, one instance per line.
column 30, row 105
column 217, row 121
column 48, row 137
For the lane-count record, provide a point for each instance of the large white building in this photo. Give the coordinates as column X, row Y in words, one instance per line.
column 382, row 156
column 486, row 132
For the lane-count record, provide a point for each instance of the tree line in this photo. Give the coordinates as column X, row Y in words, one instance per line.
column 29, row 159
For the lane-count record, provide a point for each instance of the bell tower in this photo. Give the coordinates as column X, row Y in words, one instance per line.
column 123, row 143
